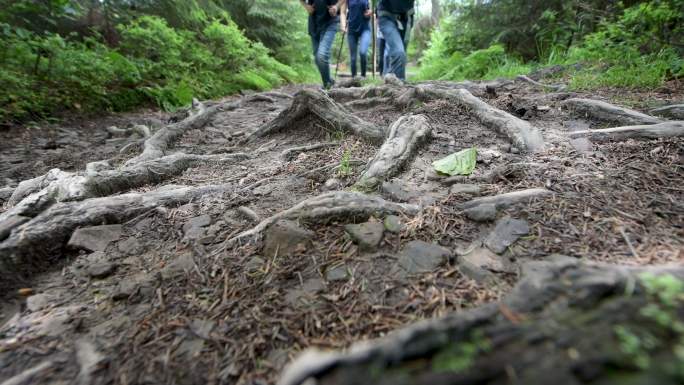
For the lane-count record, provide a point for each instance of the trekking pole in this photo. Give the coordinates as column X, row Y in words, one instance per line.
column 339, row 54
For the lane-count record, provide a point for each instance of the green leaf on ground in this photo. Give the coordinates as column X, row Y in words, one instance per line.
column 459, row 163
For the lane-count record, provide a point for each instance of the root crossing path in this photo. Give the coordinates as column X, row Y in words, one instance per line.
column 244, row 236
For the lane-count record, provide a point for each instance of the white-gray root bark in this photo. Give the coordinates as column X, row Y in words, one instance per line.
column 51, row 229
column 503, row 201
column 404, row 138
column 522, row 134
column 157, row 145
column 290, row 152
column 600, row 110
column 308, row 103
column 675, row 111
column 643, row 132
column 553, row 87
column 335, row 204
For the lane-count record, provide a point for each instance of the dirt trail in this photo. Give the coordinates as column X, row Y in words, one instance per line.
column 172, row 299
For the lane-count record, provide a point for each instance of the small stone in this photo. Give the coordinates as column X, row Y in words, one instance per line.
column 506, row 233
column 397, row 192
column 129, row 246
column 367, row 235
column 286, row 238
column 464, row 188
column 194, row 228
column 101, row 270
column 393, row 224
column 479, row 263
column 422, row 257
column 485, row 212
column 263, row 190
column 337, row 273
column 124, row 290
column 254, row 264
column 332, row 184
column 182, row 263
column 95, row 238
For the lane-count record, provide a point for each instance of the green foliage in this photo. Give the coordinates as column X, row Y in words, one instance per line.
column 344, row 169
column 637, row 46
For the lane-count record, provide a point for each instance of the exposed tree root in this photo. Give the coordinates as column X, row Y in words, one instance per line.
column 675, row 111
column 645, row 132
column 503, row 201
column 49, row 230
column 405, row 136
column 522, row 134
column 157, row 145
column 335, row 204
column 553, row 87
column 560, row 292
column 319, row 105
column 287, row 154
column 503, row 172
column 603, row 111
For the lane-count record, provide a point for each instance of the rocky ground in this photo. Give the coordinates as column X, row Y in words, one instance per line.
column 317, row 233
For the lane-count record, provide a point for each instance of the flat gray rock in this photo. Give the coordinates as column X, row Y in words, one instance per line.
column 337, row 273
column 485, row 212
column 367, row 235
column 422, row 257
column 37, row 302
column 194, row 228
column 506, row 233
column 95, row 238
column 465, row 189
column 480, row 263
column 286, row 238
column 397, row 192
column 129, row 246
column 101, row 269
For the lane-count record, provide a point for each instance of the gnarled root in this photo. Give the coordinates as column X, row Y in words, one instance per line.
column 607, row 112
column 522, row 134
column 49, row 230
column 645, row 132
column 503, row 201
column 335, row 204
column 322, row 107
column 405, row 136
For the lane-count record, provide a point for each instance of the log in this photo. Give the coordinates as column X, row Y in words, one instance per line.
column 607, row 112
column 49, row 231
column 643, row 132
column 405, row 137
column 331, row 205
column 316, row 104
column 522, row 134
column 675, row 111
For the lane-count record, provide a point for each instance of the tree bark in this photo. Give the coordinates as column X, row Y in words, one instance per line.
column 643, row 132
column 607, row 112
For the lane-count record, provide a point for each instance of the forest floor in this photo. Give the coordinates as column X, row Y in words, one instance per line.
column 169, row 300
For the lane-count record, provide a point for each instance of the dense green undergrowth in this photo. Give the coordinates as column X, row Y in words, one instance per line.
column 641, row 47
column 141, row 60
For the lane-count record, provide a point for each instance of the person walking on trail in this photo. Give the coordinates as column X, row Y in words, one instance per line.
column 359, row 33
column 396, row 22
column 380, row 51
column 324, row 15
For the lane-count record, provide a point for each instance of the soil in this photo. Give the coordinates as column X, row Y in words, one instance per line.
column 185, row 310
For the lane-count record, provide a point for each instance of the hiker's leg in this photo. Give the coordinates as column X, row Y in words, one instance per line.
column 353, row 41
column 381, row 56
column 394, row 44
column 323, row 55
column 364, row 44
column 315, row 43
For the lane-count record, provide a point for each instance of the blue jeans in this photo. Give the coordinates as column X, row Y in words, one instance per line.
column 395, row 48
column 359, row 41
column 322, row 42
